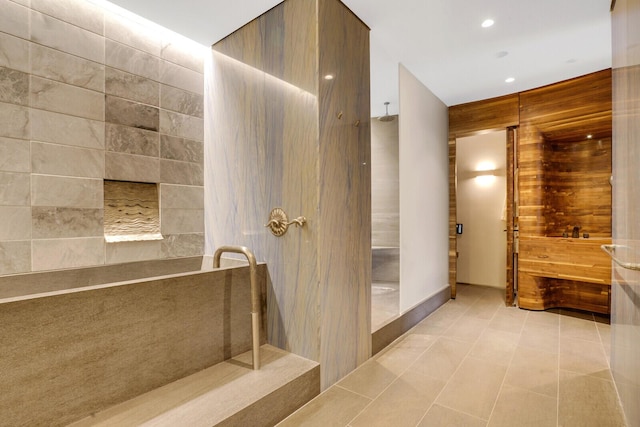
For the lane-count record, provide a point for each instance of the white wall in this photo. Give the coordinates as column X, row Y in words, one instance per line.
column 482, row 247
column 424, row 192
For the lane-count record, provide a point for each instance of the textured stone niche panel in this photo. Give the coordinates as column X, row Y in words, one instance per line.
column 131, row 211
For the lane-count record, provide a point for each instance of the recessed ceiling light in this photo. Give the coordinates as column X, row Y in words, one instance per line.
column 589, row 136
column 510, row 80
column 328, row 77
column 487, row 23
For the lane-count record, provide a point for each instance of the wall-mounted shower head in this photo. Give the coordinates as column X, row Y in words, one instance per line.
column 386, row 117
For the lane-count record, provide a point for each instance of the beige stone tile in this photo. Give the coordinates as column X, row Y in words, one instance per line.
column 14, row 121
column 49, row 190
column 186, row 55
column 544, row 317
column 404, row 403
column 584, row 357
column 133, row 251
column 15, row 257
column 541, row 337
column 186, row 150
column 128, row 113
column 509, row 319
column 442, row 359
column 14, row 52
column 184, row 78
column 180, row 125
column 577, row 328
column 63, row 98
column 495, row 346
column 180, row 221
column 334, row 407
column 131, row 140
column 369, row 380
column 128, row 167
column 132, row 86
column 15, row 189
column 16, row 223
column 534, row 370
column 132, row 34
column 183, row 245
column 439, row 416
column 588, row 401
column 181, row 196
column 182, row 101
column 431, row 328
column 483, row 309
column 65, row 68
column 14, row 19
column 604, row 331
column 185, row 173
column 52, row 222
column 69, row 38
column 14, row 86
column 82, row 14
column 404, row 353
column 474, row 387
column 525, row 408
column 56, row 254
column 131, row 60
column 14, row 155
column 47, row 126
column 54, row 159
column 467, row 328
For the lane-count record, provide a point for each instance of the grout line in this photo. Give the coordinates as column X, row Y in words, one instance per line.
column 464, row 358
column 508, row 366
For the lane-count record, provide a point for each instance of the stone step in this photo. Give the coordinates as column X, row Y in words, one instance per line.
column 227, row 394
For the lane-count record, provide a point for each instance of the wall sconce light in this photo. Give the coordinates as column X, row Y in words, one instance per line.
column 485, row 178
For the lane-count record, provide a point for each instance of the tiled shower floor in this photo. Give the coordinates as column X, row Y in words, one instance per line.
column 385, row 303
column 475, row 362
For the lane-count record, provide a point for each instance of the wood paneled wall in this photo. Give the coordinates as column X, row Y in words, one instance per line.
column 562, row 174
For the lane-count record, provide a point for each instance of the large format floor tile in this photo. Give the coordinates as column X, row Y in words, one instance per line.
column 476, row 363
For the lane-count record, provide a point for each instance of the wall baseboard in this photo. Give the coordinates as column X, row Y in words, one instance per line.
column 392, row 330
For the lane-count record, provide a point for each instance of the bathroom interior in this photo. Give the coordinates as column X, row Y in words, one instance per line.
column 112, row 132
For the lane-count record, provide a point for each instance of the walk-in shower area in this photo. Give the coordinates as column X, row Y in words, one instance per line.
column 385, row 286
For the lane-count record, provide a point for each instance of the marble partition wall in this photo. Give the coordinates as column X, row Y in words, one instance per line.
column 87, row 95
column 625, row 298
column 283, row 136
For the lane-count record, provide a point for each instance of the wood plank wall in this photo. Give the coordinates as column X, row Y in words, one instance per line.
column 560, row 185
column 564, row 176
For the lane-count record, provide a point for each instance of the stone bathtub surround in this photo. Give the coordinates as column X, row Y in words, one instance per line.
column 87, row 95
column 73, row 354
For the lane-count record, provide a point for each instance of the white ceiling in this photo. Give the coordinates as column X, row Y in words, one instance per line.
column 440, row 41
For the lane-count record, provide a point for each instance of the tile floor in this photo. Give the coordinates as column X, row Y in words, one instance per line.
column 475, row 362
column 385, row 302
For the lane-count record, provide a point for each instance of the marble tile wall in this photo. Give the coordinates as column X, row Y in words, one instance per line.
column 87, row 95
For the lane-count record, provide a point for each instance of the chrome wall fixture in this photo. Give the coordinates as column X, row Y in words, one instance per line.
column 279, row 222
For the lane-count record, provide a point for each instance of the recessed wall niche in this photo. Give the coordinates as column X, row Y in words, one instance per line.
column 131, row 211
